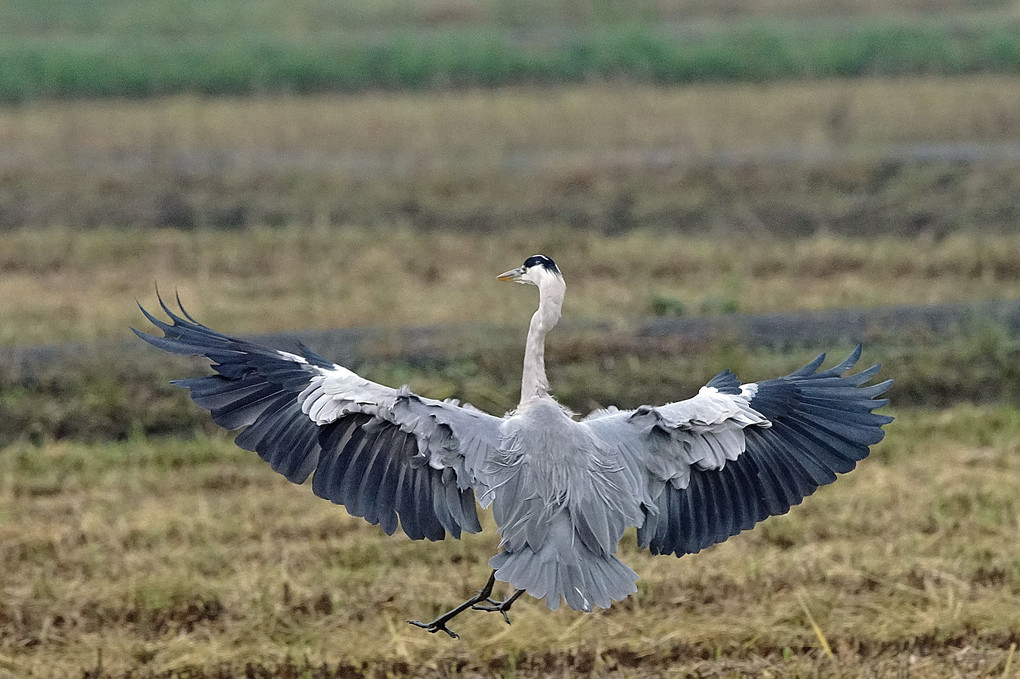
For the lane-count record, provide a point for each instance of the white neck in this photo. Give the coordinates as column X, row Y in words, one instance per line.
column 534, row 383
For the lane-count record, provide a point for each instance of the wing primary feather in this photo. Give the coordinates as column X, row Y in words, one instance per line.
column 810, row 368
column 676, row 505
column 726, row 509
column 441, row 496
column 833, row 454
column 405, row 502
column 365, row 498
column 351, row 466
column 845, row 365
column 746, row 494
column 691, row 506
column 335, row 438
column 710, row 514
column 265, row 425
column 426, row 502
column 177, row 294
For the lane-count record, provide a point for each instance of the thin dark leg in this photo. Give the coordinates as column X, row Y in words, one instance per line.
column 501, row 606
column 440, row 622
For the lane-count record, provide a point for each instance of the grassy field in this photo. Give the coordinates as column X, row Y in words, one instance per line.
column 789, row 159
column 476, row 128
column 164, row 556
column 63, row 285
column 141, row 67
column 137, row 541
column 276, row 17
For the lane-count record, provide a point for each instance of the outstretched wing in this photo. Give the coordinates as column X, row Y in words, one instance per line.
column 382, row 453
column 733, row 455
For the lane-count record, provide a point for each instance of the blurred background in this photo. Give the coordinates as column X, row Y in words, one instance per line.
column 731, row 184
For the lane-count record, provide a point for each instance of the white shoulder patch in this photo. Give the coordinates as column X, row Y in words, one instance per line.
column 292, row 357
column 336, row 391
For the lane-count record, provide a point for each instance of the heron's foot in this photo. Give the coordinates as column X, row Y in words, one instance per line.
column 434, row 626
column 500, row 606
column 440, row 622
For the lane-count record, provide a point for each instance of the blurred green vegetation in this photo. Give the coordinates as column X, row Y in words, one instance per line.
column 278, row 17
column 141, row 49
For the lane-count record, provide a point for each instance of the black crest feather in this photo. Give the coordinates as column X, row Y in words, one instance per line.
column 542, row 261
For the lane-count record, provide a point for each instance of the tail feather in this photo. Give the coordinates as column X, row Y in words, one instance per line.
column 600, row 593
column 582, row 578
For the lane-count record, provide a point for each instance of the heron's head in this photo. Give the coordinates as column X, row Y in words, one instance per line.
column 534, row 270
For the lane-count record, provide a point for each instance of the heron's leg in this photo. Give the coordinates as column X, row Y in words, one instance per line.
column 440, row 622
column 501, row 606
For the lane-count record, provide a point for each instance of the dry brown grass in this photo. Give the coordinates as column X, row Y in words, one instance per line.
column 599, row 157
column 169, row 555
column 475, row 128
column 61, row 284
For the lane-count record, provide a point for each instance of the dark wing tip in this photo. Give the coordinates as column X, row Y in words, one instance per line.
column 144, row 335
column 725, row 382
column 152, row 319
column 847, row 363
column 180, row 305
column 810, row 368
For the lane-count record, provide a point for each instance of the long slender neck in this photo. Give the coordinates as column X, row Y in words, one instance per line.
column 550, row 301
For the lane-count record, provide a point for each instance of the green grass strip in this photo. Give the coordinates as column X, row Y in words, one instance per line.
column 102, row 65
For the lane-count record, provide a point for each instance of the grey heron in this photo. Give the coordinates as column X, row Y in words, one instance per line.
column 563, row 490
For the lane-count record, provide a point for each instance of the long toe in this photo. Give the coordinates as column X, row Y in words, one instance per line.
column 496, row 606
column 434, row 627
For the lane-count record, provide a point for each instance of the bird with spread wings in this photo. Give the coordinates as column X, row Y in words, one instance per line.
column 687, row 475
